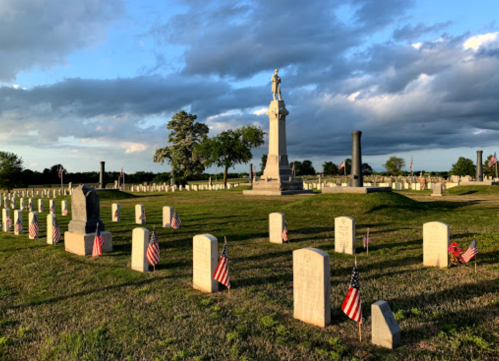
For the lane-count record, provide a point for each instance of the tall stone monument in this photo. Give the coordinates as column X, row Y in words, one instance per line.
column 85, row 212
column 479, row 166
column 102, row 178
column 357, row 179
column 277, row 178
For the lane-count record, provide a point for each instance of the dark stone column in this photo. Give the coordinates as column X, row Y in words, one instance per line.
column 251, row 173
column 479, row 166
column 102, row 179
column 357, row 180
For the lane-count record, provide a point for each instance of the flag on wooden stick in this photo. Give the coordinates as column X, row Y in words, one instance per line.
column 470, row 252
column 98, row 243
column 352, row 305
column 222, row 271
column 33, row 227
column 56, row 232
column 176, row 221
column 153, row 249
column 367, row 240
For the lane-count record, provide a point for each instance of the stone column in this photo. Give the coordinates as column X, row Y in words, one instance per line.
column 250, row 178
column 479, row 166
column 357, row 180
column 102, row 179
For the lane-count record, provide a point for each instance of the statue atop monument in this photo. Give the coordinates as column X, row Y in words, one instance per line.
column 276, row 85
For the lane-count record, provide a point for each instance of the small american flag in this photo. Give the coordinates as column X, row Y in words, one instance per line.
column 176, row 221
column 121, row 174
column 116, row 214
column 410, row 166
column 470, row 252
column 222, row 271
column 492, row 160
column 56, row 232
column 65, row 212
column 12, row 205
column 342, row 165
column 254, row 172
column 60, row 172
column 367, row 240
column 18, row 227
column 352, row 305
column 293, row 169
column 98, row 242
column 153, row 249
column 33, row 227
column 142, row 216
column 8, row 222
column 30, row 206
column 41, row 207
column 284, row 234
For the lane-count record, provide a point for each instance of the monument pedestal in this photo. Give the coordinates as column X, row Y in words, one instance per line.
column 82, row 244
column 277, row 187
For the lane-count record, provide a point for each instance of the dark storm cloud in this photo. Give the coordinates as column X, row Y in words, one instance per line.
column 42, row 33
column 414, row 32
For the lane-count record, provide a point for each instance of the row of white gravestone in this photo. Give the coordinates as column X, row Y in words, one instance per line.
column 166, row 188
column 18, row 215
column 140, row 214
column 24, row 205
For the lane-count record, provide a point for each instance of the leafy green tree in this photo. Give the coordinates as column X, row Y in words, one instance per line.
column 463, row 166
column 185, row 135
column 330, row 168
column 303, row 168
column 11, row 168
column 264, row 162
column 298, row 166
column 231, row 147
column 366, row 169
column 394, row 165
column 491, row 172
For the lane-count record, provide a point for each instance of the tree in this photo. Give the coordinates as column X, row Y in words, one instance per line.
column 463, row 166
column 366, row 169
column 231, row 147
column 264, row 162
column 303, row 168
column 186, row 134
column 394, row 165
column 11, row 167
column 490, row 172
column 330, row 168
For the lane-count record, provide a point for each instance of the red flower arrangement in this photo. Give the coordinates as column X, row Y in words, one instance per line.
column 455, row 253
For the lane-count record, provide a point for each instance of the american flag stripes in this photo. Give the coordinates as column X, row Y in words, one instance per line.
column 284, row 234
column 352, row 305
column 153, row 249
column 60, row 172
column 342, row 165
column 293, row 169
column 116, row 214
column 222, row 271
column 98, row 242
column 410, row 166
column 18, row 227
column 65, row 212
column 142, row 216
column 33, row 227
column 121, row 174
column 492, row 160
column 8, row 222
column 470, row 252
column 56, row 232
column 176, row 221
column 367, row 240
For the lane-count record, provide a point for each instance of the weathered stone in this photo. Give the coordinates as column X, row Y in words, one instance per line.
column 344, row 235
column 437, row 190
column 205, row 253
column 277, row 222
column 85, row 211
column 82, row 244
column 435, row 244
column 140, row 243
column 385, row 329
column 311, row 286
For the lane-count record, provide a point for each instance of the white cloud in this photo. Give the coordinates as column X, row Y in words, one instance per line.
column 261, row 111
column 134, row 147
column 477, row 41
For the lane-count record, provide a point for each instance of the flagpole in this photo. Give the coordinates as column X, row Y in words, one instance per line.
column 360, row 329
column 225, row 241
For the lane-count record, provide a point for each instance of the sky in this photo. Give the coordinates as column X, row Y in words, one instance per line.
column 97, row 80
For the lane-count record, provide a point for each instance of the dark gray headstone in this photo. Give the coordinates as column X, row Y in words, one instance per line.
column 85, row 211
column 479, row 166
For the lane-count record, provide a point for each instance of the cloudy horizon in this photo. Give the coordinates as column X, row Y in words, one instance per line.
column 99, row 79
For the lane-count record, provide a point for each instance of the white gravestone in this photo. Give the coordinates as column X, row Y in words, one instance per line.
column 5, row 217
column 344, row 235
column 435, row 244
column 51, row 220
column 18, row 215
column 22, row 204
column 167, row 216
column 311, row 286
column 116, row 212
column 140, row 243
column 30, row 202
column 205, row 253
column 40, row 206
column 385, row 329
column 30, row 219
column 140, row 213
column 437, row 190
column 64, row 207
column 276, row 226
column 52, row 206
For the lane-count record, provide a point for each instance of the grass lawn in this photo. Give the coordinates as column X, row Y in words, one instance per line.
column 58, row 306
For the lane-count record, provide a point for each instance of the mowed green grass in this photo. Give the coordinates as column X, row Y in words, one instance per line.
column 58, row 306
